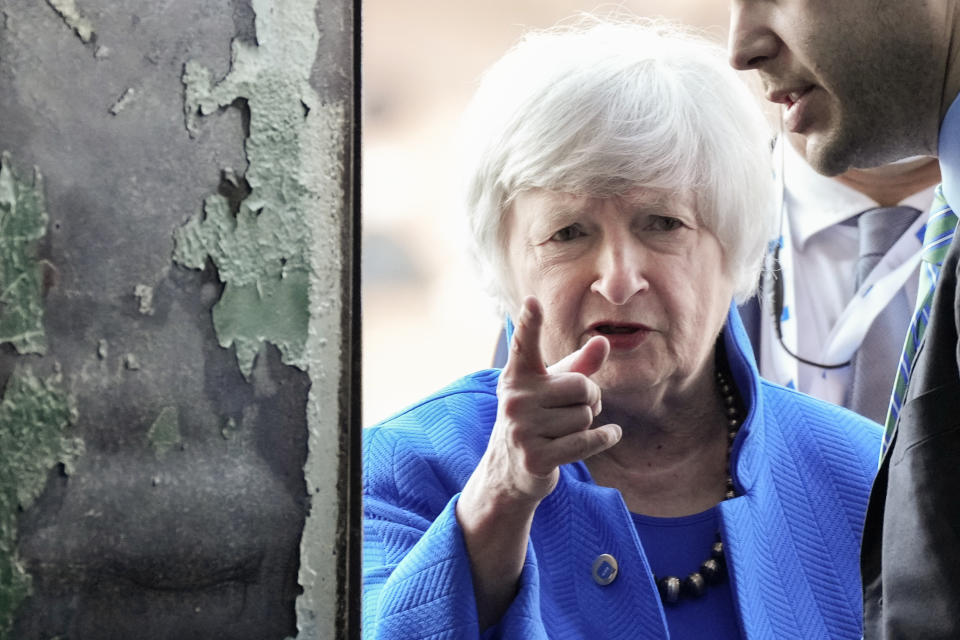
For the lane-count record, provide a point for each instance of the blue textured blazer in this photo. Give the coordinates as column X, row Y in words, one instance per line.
column 802, row 469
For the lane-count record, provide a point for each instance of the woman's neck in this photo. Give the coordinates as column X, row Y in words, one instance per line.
column 672, row 459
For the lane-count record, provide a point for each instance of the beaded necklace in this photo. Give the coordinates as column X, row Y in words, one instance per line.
column 712, row 570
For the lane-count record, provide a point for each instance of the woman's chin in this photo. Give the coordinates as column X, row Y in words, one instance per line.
column 626, row 377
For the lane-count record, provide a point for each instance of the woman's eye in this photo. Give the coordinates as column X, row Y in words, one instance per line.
column 665, row 223
column 567, row 233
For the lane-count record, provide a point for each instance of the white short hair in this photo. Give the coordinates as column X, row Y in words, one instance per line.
column 603, row 107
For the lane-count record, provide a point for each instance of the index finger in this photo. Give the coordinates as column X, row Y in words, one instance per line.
column 525, row 356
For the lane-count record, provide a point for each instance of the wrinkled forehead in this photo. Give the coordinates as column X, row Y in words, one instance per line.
column 558, row 204
column 635, row 197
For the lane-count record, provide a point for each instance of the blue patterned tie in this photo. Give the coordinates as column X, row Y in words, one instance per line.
column 936, row 240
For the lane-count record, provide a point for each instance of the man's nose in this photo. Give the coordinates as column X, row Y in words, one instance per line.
column 751, row 41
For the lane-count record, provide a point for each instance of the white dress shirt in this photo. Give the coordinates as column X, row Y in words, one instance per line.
column 819, row 265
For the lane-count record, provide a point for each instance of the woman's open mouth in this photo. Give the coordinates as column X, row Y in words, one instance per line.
column 621, row 336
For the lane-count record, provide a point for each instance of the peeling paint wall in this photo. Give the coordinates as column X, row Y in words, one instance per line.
column 178, row 303
column 263, row 251
column 164, row 433
column 74, row 19
column 23, row 221
column 280, row 255
column 34, row 415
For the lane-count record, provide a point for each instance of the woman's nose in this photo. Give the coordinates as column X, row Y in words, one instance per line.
column 620, row 273
column 751, row 41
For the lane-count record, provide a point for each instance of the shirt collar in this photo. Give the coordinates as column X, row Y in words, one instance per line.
column 816, row 202
column 949, row 152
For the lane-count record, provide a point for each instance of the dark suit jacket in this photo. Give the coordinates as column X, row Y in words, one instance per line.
column 910, row 558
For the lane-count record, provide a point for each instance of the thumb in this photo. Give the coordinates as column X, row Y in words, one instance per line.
column 586, row 360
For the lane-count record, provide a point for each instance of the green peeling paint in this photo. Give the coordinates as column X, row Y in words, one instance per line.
column 23, row 221
column 34, row 414
column 265, row 314
column 265, row 297
column 164, row 433
column 262, row 251
column 280, row 256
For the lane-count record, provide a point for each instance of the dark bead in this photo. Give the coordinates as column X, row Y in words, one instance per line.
column 732, row 422
column 716, row 551
column 694, row 585
column 730, row 494
column 712, row 571
column 669, row 588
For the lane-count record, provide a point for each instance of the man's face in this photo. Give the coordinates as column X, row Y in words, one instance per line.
column 860, row 80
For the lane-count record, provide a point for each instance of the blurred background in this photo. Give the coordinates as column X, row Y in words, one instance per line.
column 425, row 321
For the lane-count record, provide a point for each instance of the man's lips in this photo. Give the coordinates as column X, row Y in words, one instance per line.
column 788, row 96
column 797, row 116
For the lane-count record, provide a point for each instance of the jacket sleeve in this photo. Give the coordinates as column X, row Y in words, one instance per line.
column 417, row 581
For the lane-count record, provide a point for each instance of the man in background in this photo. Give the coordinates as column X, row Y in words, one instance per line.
column 867, row 82
column 841, row 280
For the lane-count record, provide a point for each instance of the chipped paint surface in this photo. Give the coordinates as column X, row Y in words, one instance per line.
column 280, row 255
column 23, row 221
column 229, row 429
column 144, row 294
column 265, row 297
column 164, row 433
column 263, row 253
column 123, row 101
column 74, row 19
column 34, row 415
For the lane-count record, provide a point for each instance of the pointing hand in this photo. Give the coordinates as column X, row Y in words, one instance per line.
column 544, row 415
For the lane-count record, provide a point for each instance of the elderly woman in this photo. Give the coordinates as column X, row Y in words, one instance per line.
column 627, row 474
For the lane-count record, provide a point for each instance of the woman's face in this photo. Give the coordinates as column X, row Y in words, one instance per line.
column 638, row 269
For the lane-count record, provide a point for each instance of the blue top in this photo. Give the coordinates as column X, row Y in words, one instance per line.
column 802, row 470
column 676, row 547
